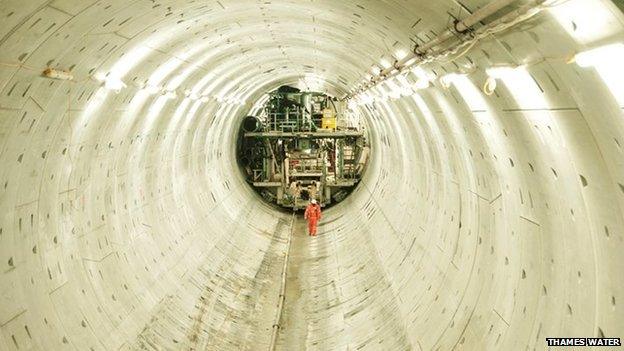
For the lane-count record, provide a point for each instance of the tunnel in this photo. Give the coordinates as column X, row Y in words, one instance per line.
column 490, row 216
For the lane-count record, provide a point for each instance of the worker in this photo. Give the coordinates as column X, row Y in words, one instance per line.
column 313, row 215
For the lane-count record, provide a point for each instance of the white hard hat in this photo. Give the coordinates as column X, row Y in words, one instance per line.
column 313, row 201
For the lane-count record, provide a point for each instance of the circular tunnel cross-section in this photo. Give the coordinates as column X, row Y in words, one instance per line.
column 302, row 146
column 489, row 215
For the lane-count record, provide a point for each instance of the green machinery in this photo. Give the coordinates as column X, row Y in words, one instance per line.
column 298, row 149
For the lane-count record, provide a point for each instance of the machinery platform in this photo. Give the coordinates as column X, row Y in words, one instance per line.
column 305, row 135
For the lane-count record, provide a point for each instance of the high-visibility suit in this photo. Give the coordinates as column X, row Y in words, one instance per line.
column 313, row 215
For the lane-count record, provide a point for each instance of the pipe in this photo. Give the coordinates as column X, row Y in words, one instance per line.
column 252, row 124
column 459, row 28
column 482, row 13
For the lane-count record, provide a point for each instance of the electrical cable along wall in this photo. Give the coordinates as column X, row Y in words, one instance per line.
column 482, row 221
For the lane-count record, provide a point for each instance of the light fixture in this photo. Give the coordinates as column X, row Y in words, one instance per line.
column 406, row 89
column 393, row 90
column 385, row 63
column 607, row 62
column 57, row 74
column 489, row 86
column 113, row 83
column 583, row 20
column 364, row 99
column 603, row 54
column 520, row 84
column 449, row 79
column 469, row 92
column 379, row 92
column 419, row 72
column 423, row 79
column 351, row 104
column 421, row 84
column 376, row 70
column 500, row 72
column 400, row 54
column 129, row 60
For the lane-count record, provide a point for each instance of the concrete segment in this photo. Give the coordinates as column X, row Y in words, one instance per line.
column 482, row 223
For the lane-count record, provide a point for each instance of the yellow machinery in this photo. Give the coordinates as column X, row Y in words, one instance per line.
column 329, row 119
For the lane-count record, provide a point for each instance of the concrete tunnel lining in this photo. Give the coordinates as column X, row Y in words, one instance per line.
column 483, row 222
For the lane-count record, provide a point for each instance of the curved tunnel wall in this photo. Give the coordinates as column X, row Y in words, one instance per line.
column 483, row 222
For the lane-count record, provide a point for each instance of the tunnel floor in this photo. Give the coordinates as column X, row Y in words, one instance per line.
column 302, row 292
column 318, row 309
column 294, row 321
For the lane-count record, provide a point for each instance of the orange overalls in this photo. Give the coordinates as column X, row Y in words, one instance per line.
column 313, row 215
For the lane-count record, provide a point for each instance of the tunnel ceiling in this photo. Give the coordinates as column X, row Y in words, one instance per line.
column 244, row 43
column 491, row 215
